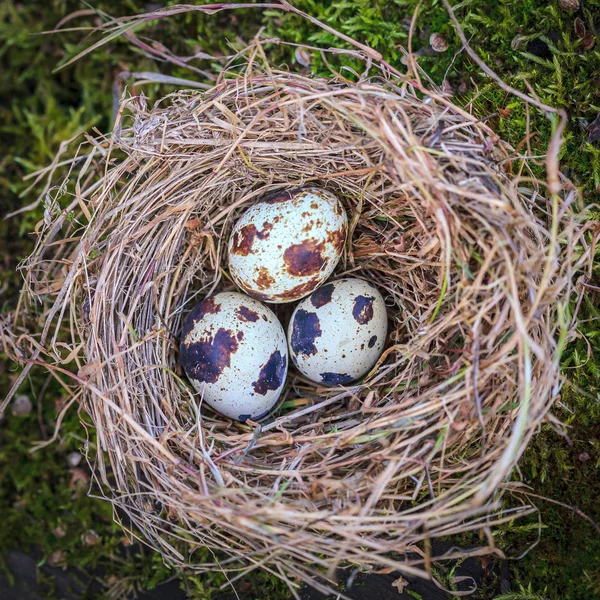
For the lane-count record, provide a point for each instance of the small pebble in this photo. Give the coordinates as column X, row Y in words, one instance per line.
column 79, row 479
column 90, row 538
column 588, row 41
column 57, row 558
column 21, row 406
column 74, row 458
column 59, row 532
column 438, row 42
column 302, row 57
column 584, row 457
column 517, row 42
column 569, row 4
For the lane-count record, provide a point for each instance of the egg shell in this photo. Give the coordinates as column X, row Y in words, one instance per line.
column 287, row 244
column 234, row 352
column 337, row 334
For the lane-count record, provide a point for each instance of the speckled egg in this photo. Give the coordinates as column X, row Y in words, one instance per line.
column 337, row 334
column 234, row 352
column 287, row 244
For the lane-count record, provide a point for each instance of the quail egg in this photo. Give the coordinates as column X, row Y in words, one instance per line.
column 337, row 334
column 287, row 244
column 234, row 352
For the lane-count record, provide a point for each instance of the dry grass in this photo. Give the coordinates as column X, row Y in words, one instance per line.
column 476, row 262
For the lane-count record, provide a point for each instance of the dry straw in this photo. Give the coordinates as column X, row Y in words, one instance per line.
column 475, row 259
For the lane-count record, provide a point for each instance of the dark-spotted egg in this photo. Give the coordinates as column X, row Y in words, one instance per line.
column 286, row 245
column 337, row 334
column 234, row 352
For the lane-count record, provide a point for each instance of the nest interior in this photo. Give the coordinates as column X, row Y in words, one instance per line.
column 475, row 263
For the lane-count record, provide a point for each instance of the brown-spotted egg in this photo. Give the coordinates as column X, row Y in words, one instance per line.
column 287, row 244
column 234, row 352
column 337, row 334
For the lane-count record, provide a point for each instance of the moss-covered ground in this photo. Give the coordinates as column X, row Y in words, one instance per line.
column 533, row 44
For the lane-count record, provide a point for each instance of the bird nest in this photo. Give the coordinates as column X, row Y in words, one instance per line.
column 474, row 259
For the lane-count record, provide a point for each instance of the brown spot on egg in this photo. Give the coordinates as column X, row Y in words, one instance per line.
column 362, row 311
column 203, row 308
column 272, row 374
column 258, row 295
column 336, row 378
column 209, row 306
column 304, row 259
column 322, row 296
column 278, row 196
column 307, row 227
column 243, row 239
column 372, row 341
column 240, row 336
column 306, row 328
column 246, row 314
column 337, row 239
column 264, row 280
column 204, row 360
column 300, row 290
column 265, row 232
column 314, row 205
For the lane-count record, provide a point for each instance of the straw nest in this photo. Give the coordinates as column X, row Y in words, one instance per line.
column 475, row 262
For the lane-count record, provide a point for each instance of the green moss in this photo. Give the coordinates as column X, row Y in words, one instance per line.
column 568, row 79
column 40, row 109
